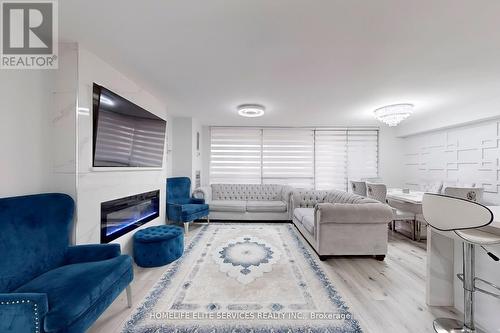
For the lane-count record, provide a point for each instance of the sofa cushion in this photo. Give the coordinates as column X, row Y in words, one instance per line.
column 299, row 213
column 266, row 206
column 308, row 223
column 228, row 206
column 73, row 289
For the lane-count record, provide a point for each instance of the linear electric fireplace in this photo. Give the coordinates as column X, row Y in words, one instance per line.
column 125, row 214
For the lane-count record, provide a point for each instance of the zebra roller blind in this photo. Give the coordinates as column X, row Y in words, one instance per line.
column 288, row 157
column 303, row 158
column 236, row 155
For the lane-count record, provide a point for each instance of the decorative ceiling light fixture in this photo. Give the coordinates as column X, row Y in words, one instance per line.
column 393, row 114
column 251, row 110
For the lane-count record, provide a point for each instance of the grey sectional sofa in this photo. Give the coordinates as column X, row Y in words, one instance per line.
column 243, row 202
column 341, row 223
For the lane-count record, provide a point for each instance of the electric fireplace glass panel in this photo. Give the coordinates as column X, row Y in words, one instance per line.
column 123, row 215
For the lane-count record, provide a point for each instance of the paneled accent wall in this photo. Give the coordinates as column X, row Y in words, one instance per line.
column 461, row 155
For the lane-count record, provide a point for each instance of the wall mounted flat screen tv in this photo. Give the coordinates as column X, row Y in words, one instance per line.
column 124, row 134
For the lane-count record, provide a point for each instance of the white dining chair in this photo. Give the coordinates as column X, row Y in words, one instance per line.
column 358, row 187
column 379, row 192
column 432, row 187
column 465, row 218
column 376, row 192
column 469, row 193
column 448, row 183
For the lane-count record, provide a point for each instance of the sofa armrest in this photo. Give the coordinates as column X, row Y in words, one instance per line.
column 174, row 211
column 197, row 201
column 353, row 213
column 22, row 312
column 92, row 252
column 204, row 192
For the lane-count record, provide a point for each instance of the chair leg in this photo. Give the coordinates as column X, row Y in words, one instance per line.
column 468, row 270
column 186, row 227
column 208, row 219
column 418, row 226
column 452, row 325
column 414, row 230
column 129, row 296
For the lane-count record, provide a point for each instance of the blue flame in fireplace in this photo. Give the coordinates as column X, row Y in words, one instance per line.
column 124, row 224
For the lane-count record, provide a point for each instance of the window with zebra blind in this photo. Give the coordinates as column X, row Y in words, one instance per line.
column 308, row 158
column 235, row 155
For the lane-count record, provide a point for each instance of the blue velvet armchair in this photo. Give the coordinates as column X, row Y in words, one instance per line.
column 46, row 285
column 181, row 208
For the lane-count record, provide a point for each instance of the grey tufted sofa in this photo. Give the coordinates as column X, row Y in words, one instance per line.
column 341, row 223
column 267, row 202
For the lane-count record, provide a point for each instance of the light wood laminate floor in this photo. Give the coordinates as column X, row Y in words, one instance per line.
column 385, row 297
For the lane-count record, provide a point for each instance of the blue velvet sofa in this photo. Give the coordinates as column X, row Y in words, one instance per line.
column 46, row 285
column 181, row 208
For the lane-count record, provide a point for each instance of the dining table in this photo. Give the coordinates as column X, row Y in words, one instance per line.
column 408, row 201
column 410, row 196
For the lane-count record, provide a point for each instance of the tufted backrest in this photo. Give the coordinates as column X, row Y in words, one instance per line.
column 335, row 196
column 308, row 199
column 178, row 189
column 376, row 192
column 246, row 192
column 34, row 236
column 468, row 193
column 358, row 187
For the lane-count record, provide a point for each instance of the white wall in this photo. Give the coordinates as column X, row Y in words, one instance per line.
column 464, row 154
column 182, row 149
column 187, row 158
column 390, row 157
column 25, row 109
column 197, row 161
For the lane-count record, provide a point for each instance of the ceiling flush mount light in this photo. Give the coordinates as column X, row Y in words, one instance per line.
column 251, row 110
column 393, row 114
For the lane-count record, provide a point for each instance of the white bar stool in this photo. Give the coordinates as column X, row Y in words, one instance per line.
column 463, row 217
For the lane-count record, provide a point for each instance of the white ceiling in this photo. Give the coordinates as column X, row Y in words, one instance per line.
column 310, row 62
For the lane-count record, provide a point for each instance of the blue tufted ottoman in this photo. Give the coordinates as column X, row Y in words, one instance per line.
column 158, row 245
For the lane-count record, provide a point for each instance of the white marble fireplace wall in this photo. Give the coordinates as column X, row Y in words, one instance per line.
column 94, row 187
column 462, row 154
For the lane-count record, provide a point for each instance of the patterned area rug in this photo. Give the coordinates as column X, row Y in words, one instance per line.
column 244, row 278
